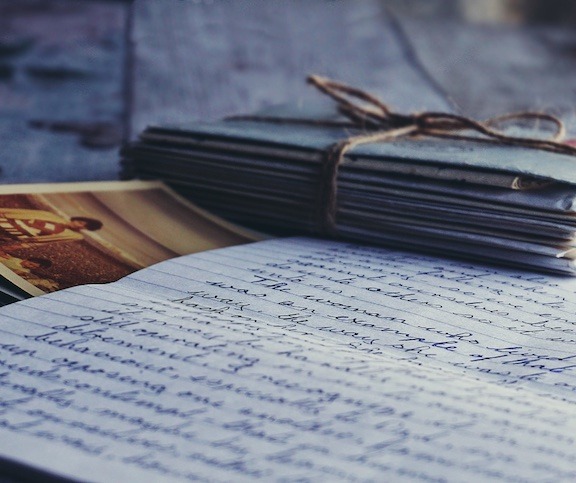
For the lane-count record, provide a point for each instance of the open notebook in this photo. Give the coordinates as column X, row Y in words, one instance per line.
column 295, row 360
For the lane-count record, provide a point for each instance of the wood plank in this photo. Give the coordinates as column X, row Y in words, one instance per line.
column 489, row 70
column 61, row 89
column 205, row 60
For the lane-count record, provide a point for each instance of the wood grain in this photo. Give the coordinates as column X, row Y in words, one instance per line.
column 204, row 60
column 494, row 69
column 61, row 89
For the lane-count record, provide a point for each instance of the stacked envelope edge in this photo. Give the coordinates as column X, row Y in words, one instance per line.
column 470, row 199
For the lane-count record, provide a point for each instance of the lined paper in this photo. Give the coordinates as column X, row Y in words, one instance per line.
column 285, row 360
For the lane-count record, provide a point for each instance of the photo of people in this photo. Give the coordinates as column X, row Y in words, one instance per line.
column 57, row 236
column 24, row 228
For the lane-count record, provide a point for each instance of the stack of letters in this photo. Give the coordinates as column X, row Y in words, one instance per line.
column 484, row 201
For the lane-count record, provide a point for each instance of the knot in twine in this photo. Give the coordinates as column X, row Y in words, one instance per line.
column 379, row 123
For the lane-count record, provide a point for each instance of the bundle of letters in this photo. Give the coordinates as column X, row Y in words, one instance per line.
column 483, row 201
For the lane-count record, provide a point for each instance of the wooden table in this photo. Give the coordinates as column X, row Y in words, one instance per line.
column 77, row 78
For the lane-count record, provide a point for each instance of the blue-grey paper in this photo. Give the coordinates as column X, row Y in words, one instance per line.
column 455, row 153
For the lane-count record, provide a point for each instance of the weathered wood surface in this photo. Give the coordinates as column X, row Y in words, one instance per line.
column 489, row 70
column 62, row 67
column 203, row 60
column 61, row 89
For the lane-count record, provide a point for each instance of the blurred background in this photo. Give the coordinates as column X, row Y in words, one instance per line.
column 80, row 77
column 493, row 11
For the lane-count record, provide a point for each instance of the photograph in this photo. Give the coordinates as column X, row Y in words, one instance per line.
column 61, row 235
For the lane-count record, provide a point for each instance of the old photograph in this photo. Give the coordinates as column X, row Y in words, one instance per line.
column 70, row 234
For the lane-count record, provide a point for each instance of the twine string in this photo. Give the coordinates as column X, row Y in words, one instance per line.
column 379, row 123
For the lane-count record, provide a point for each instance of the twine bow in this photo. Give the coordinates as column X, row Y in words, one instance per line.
column 379, row 123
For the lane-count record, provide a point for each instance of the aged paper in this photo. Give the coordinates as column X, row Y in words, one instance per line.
column 60, row 235
column 295, row 360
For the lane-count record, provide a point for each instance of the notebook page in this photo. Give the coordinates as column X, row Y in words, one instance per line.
column 106, row 384
column 173, row 375
column 509, row 327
